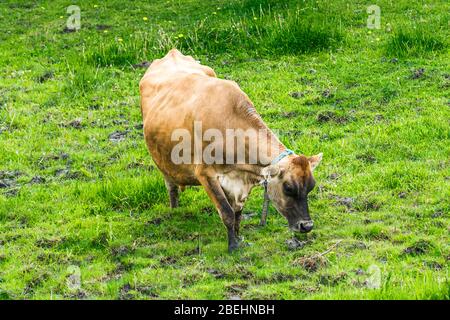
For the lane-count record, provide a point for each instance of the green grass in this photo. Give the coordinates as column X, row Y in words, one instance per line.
column 415, row 42
column 375, row 102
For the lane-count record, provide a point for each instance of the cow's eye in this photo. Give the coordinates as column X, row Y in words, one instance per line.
column 288, row 190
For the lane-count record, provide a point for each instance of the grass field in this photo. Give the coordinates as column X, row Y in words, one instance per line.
column 84, row 212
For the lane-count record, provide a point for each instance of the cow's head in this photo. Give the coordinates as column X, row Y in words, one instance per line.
column 291, row 181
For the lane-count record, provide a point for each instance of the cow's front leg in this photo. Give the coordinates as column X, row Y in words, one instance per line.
column 237, row 208
column 237, row 221
column 215, row 192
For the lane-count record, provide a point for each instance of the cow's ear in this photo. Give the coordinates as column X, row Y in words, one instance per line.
column 315, row 160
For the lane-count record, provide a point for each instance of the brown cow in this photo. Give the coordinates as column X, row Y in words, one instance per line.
column 179, row 96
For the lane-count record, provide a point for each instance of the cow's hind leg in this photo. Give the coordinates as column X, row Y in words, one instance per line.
column 215, row 192
column 174, row 193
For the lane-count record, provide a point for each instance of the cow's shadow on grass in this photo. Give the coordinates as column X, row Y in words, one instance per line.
column 146, row 199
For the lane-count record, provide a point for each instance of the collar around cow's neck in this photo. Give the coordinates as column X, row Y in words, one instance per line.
column 285, row 153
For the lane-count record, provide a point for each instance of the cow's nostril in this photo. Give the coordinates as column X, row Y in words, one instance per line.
column 306, row 226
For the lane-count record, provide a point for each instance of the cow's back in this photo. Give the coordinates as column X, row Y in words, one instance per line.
column 174, row 98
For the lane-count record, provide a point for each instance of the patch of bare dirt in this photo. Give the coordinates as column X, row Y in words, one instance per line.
column 103, row 27
column 75, row 124
column 311, row 263
column 216, row 273
column 8, row 179
column 118, row 136
column 418, row 73
column 168, row 261
column 314, row 262
column 45, row 76
column 332, row 280
column 418, row 248
column 331, row 116
column 296, row 94
column 143, row 64
column 295, row 244
column 37, row 180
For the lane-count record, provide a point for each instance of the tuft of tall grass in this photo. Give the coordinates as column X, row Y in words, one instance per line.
column 263, row 32
column 132, row 193
column 249, row 6
column 81, row 80
column 115, row 53
column 414, row 41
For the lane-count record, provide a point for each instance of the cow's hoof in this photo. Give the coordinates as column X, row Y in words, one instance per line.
column 233, row 247
column 238, row 245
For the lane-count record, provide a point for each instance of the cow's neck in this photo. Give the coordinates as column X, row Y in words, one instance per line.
column 270, row 148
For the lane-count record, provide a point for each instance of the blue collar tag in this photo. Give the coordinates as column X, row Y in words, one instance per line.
column 285, row 153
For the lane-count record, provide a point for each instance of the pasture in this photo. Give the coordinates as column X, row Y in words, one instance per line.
column 84, row 213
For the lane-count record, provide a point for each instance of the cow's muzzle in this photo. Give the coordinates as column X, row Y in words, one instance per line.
column 302, row 226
